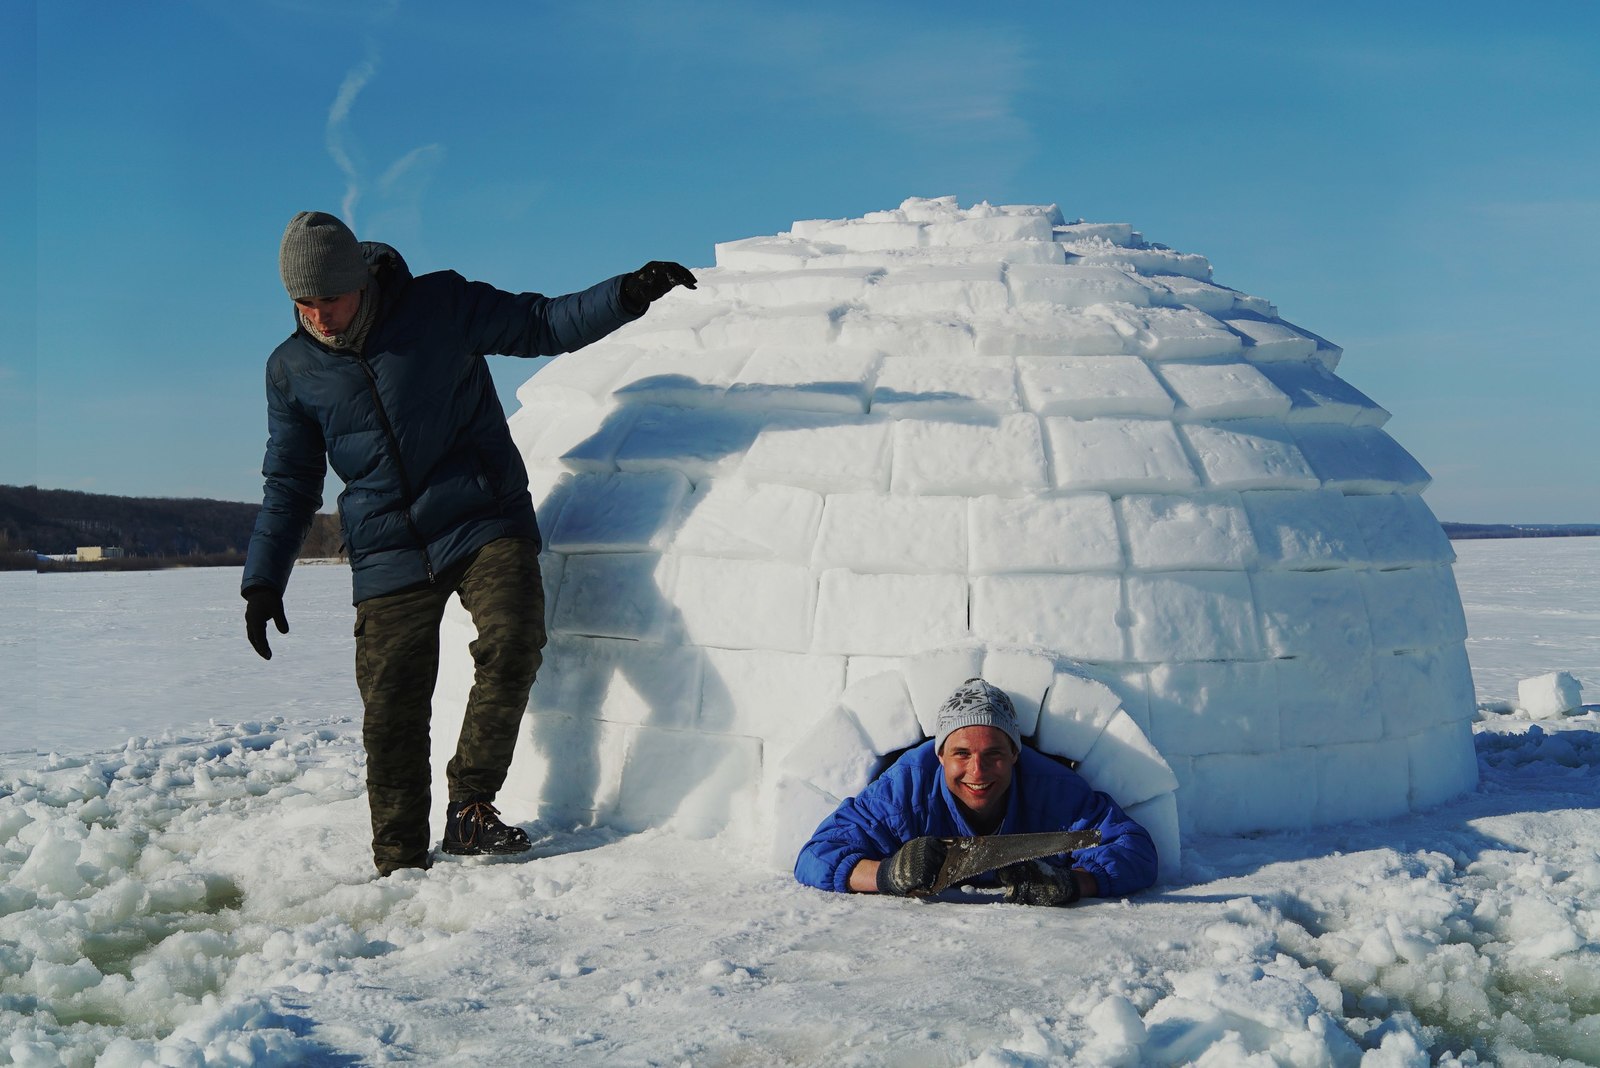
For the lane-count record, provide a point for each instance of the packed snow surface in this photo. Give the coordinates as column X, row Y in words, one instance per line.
column 185, row 880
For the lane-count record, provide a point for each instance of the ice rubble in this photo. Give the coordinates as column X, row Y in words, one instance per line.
column 884, row 452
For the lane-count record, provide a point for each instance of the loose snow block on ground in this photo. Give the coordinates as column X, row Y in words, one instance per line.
column 614, row 595
column 963, row 290
column 1304, row 531
column 1118, row 455
column 1171, row 532
column 825, row 453
column 1359, row 459
column 1075, row 713
column 1413, row 608
column 744, row 604
column 1235, row 390
column 734, row 518
column 1316, row 395
column 1086, row 387
column 1231, row 793
column 932, row 676
column 1075, row 532
column 1400, row 531
column 878, row 532
column 969, row 458
column 1249, row 454
column 767, row 694
column 1443, row 763
column 1545, row 696
column 882, row 706
column 1214, row 707
column 694, row 782
column 1423, row 689
column 930, row 388
column 1074, row 615
column 619, row 512
column 888, row 615
column 1192, row 615
column 830, row 379
column 1075, row 287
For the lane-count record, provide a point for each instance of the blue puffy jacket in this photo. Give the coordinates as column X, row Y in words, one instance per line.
column 412, row 425
column 911, row 799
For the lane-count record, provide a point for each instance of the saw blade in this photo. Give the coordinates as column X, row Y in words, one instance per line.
column 969, row 857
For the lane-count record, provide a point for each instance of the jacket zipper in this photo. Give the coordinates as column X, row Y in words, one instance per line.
column 394, row 449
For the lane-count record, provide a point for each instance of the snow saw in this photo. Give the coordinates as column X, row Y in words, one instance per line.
column 968, row 857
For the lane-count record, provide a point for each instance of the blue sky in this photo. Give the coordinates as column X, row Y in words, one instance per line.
column 1416, row 182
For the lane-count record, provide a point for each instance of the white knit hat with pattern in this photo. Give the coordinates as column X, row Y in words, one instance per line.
column 977, row 704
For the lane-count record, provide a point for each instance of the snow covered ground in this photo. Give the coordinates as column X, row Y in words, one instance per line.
column 186, row 881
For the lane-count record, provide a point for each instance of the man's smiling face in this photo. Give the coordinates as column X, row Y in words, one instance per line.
column 977, row 763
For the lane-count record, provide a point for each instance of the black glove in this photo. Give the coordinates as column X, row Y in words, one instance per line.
column 652, row 282
column 913, row 867
column 261, row 604
column 1037, row 882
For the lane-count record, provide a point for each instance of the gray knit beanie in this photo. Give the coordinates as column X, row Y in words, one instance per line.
column 977, row 704
column 320, row 257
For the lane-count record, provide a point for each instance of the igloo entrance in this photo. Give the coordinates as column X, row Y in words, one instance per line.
column 864, row 440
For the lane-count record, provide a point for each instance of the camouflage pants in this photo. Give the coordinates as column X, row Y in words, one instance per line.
column 397, row 663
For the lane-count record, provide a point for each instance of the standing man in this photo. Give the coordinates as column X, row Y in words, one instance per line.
column 384, row 378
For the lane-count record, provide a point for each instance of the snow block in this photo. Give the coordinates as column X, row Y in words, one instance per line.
column 1081, row 233
column 692, row 379
column 774, row 696
column 933, row 676
column 1046, row 330
column 1420, row 690
column 1174, row 290
column 1074, row 532
column 835, row 756
column 1317, row 395
column 764, row 253
column 619, row 512
column 1361, row 781
column 1234, row 793
column 1073, row 615
column 1235, row 390
column 985, row 231
column 578, row 443
column 882, row 706
column 1146, row 261
column 691, row 782
column 1168, row 333
column 873, row 236
column 960, row 290
column 1075, row 714
column 830, row 379
column 744, row 604
column 1271, row 340
column 1414, row 608
column 1192, row 615
column 776, row 289
column 1359, row 459
column 1118, row 455
column 564, row 766
column 826, row 453
column 734, row 518
column 614, row 595
column 1400, row 531
column 943, row 338
column 1202, row 532
column 619, row 681
column 969, row 458
column 924, row 387
column 1327, row 698
column 672, row 325
column 1159, row 817
column 1312, row 612
column 811, row 326
column 1443, row 764
column 1249, row 454
column 1125, row 765
column 877, row 532
column 1075, row 287
column 799, row 808
column 1088, row 387
column 1548, row 696
column 1304, row 531
column 1025, row 677
column 1214, row 707
column 578, row 382
column 888, row 615
column 860, row 668
column 699, row 444
column 551, row 566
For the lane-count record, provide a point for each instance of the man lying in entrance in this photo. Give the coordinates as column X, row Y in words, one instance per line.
column 975, row 777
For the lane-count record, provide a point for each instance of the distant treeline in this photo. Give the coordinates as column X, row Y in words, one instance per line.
column 151, row 531
column 1469, row 531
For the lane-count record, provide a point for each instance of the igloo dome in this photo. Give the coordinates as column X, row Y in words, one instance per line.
column 786, row 513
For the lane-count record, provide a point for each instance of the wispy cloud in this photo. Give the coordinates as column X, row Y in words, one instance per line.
column 337, row 130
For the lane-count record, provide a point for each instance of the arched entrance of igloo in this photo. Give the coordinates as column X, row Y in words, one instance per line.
column 1062, row 710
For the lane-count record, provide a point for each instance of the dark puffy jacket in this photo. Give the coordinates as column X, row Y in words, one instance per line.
column 412, row 426
column 911, row 799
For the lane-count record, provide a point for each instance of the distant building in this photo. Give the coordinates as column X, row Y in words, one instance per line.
column 100, row 552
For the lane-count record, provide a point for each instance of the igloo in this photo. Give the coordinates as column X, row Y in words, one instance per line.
column 786, row 513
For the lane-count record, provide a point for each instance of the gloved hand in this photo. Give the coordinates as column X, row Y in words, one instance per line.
column 652, row 282
column 261, row 604
column 913, row 867
column 1038, row 882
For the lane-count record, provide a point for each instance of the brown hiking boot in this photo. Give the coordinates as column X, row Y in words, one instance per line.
column 473, row 828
